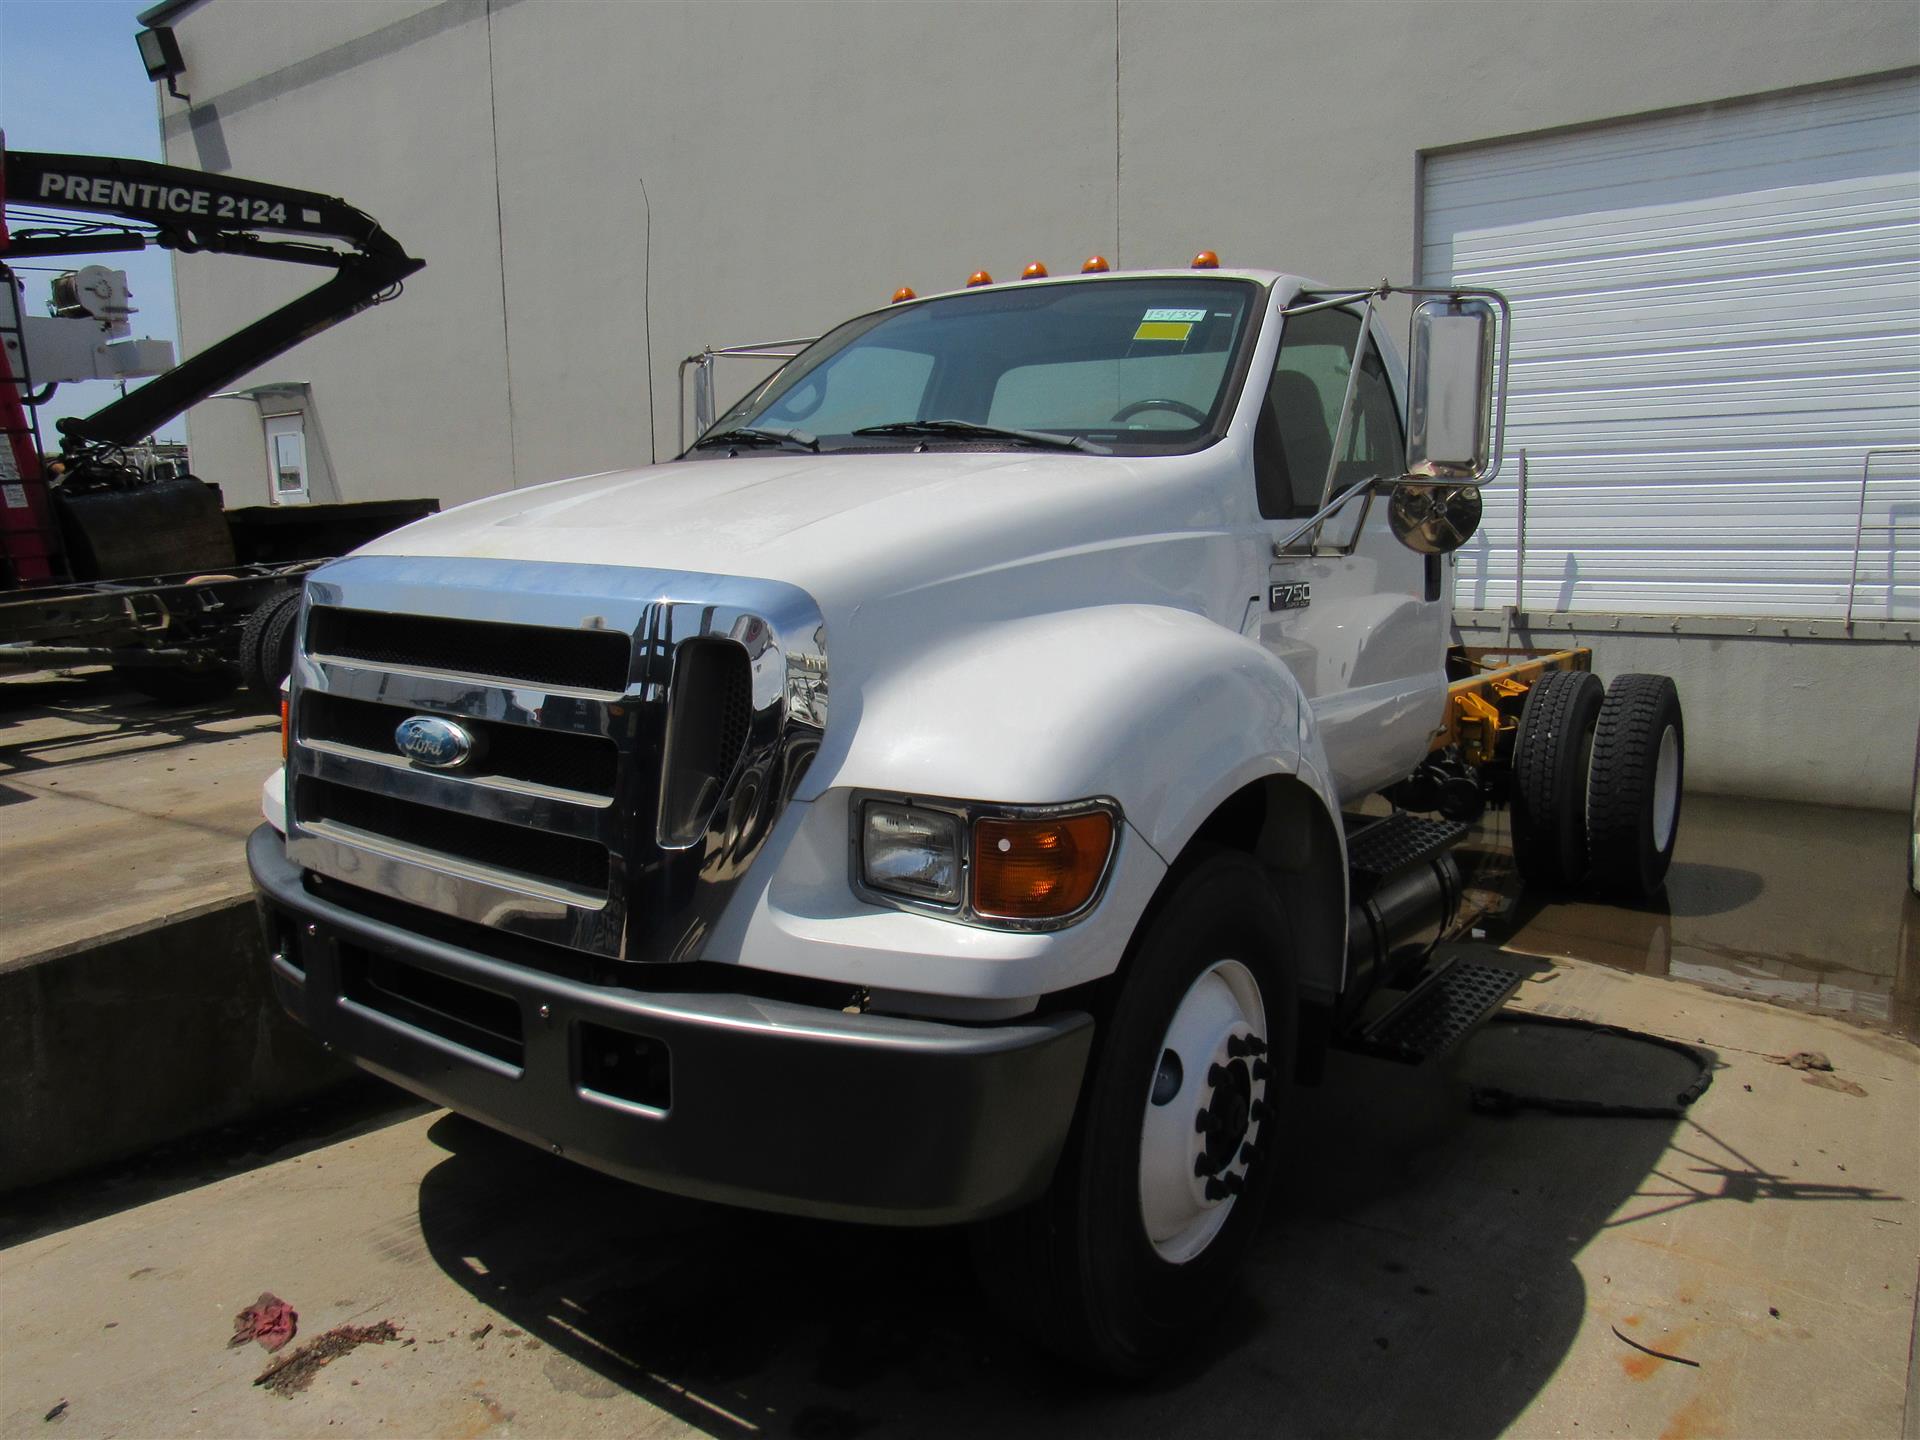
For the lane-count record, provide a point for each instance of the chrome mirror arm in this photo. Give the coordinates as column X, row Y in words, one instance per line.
column 1326, row 512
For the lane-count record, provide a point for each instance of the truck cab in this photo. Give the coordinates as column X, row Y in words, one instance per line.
column 933, row 797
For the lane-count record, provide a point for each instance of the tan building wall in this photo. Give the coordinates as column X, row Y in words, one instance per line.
column 600, row 189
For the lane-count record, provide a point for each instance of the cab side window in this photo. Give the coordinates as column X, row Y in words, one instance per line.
column 1293, row 438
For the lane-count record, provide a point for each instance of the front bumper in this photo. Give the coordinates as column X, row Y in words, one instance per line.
column 718, row 1096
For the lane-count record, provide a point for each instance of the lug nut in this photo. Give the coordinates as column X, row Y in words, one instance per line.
column 1204, row 1164
column 1260, row 1110
column 1203, row 1123
column 1231, row 1180
column 1216, row 1190
column 1217, row 1075
column 1248, row 1153
column 546, row 1012
column 1255, row 1045
column 1237, row 1046
column 1261, row 1070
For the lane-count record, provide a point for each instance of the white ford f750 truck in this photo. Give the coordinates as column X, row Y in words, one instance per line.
column 937, row 796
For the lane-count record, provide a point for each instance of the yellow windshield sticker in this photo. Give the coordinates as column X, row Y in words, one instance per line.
column 1168, row 324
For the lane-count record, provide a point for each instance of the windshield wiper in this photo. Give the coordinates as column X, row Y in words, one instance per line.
column 967, row 429
column 752, row 436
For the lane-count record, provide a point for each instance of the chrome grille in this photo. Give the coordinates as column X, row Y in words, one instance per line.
column 532, row 654
column 562, row 861
column 554, row 825
column 584, row 764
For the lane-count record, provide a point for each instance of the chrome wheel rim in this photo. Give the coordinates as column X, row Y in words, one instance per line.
column 1205, row 1105
column 1666, row 789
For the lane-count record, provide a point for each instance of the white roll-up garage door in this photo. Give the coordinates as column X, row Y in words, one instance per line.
column 1716, row 318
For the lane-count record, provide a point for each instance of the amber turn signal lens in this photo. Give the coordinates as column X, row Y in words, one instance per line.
column 1039, row 869
column 1036, row 270
column 905, row 292
column 285, row 725
column 979, row 277
column 1094, row 265
column 1206, row 260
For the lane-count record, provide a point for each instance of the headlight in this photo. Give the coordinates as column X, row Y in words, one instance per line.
column 911, row 852
column 1033, row 867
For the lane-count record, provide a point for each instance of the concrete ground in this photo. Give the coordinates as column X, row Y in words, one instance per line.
column 117, row 812
column 1431, row 1271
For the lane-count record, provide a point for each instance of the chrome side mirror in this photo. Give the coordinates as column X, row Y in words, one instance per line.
column 1450, row 391
column 1433, row 519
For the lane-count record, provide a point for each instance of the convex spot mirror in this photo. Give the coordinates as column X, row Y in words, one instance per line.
column 1450, row 385
column 1433, row 519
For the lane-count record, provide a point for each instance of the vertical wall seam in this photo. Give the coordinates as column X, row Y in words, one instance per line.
column 1116, row 135
column 500, row 233
column 646, row 315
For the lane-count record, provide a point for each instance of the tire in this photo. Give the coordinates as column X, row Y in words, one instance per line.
column 276, row 646
column 266, row 644
column 1550, row 759
column 1634, row 787
column 181, row 686
column 1081, row 1269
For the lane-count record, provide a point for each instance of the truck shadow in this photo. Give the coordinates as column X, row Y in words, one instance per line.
column 82, row 715
column 1419, row 1264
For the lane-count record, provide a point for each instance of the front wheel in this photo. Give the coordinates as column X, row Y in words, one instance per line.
column 1177, row 1142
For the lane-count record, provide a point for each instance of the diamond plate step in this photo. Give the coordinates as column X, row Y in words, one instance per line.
column 1438, row 1012
column 1389, row 846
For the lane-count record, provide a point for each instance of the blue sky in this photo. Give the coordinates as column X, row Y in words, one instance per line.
column 71, row 80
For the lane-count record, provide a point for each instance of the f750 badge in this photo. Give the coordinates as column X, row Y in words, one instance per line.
column 1294, row 595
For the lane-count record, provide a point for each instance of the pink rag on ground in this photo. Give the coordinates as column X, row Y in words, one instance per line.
column 270, row 1320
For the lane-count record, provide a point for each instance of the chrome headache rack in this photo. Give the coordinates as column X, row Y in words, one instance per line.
column 607, row 749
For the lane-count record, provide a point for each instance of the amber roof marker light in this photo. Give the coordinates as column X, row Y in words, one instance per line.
column 1036, row 270
column 979, row 277
column 1205, row 260
column 905, row 292
column 1094, row 265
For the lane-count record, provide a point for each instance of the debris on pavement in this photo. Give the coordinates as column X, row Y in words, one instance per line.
column 482, row 1333
column 270, row 1320
column 295, row 1373
column 56, row 1412
column 1648, row 1350
column 1803, row 1060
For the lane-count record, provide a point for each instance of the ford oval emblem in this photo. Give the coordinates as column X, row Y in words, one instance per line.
column 438, row 744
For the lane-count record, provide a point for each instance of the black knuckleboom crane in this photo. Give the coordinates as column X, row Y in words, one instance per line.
column 150, row 576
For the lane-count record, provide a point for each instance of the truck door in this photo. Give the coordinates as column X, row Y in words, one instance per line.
column 1359, row 618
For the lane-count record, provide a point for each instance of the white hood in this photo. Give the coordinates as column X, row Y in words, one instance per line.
column 850, row 530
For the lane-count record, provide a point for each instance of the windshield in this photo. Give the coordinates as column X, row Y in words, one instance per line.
column 1144, row 366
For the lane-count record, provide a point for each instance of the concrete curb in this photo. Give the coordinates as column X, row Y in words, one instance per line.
column 121, row 1043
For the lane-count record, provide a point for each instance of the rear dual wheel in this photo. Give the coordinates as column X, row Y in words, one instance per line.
column 1550, row 763
column 1633, row 786
column 1176, row 1145
column 1597, row 775
column 266, row 645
